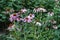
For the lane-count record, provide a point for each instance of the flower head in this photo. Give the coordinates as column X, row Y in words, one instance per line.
column 50, row 13
column 53, row 21
column 27, row 20
column 31, row 16
column 13, row 17
column 39, row 10
column 23, row 10
column 19, row 19
column 38, row 23
column 11, row 27
column 55, row 27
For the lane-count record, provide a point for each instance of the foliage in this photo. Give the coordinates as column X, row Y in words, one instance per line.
column 31, row 31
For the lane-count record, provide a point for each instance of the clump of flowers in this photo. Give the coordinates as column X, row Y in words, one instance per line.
column 16, row 17
column 29, row 18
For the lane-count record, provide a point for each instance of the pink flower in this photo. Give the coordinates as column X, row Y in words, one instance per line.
column 23, row 10
column 31, row 16
column 27, row 20
column 13, row 17
column 19, row 19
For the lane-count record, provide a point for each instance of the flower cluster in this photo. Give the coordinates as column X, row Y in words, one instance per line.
column 30, row 17
column 24, row 10
column 15, row 17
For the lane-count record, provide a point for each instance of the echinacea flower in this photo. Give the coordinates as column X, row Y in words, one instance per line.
column 55, row 27
column 39, row 10
column 42, row 9
column 53, row 21
column 36, row 10
column 50, row 13
column 11, row 27
column 19, row 19
column 13, row 17
column 27, row 20
column 31, row 16
column 8, row 10
column 38, row 24
column 23, row 10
